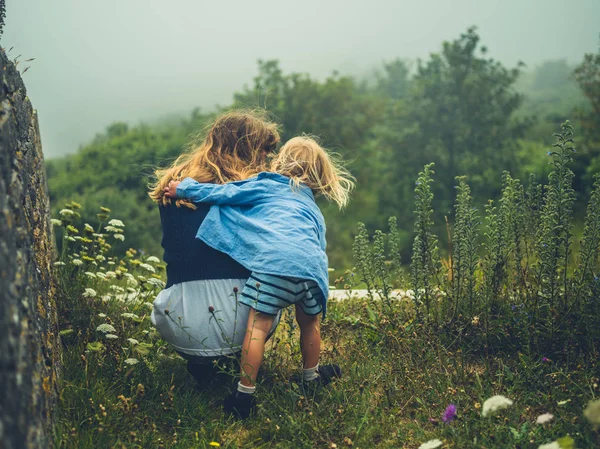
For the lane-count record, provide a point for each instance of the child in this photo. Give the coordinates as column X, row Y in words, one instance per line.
column 271, row 225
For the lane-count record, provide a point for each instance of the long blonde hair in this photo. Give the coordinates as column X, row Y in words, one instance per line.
column 234, row 149
column 304, row 161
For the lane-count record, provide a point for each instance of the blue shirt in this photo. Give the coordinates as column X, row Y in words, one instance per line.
column 265, row 225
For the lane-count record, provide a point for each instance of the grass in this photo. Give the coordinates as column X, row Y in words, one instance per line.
column 397, row 382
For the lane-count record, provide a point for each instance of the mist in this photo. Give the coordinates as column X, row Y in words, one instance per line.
column 143, row 60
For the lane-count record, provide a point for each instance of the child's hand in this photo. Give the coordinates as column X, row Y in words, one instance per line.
column 171, row 189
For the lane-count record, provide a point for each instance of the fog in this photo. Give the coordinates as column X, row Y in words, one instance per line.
column 97, row 62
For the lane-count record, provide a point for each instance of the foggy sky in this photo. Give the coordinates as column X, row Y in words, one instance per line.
column 101, row 61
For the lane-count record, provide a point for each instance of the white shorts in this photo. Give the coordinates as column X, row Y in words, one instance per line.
column 203, row 318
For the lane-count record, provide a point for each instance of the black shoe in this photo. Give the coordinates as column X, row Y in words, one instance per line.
column 327, row 373
column 240, row 404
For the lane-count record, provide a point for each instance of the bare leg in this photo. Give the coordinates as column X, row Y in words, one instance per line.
column 253, row 348
column 310, row 337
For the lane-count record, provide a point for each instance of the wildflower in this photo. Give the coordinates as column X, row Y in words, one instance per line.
column 120, row 237
column 95, row 234
column 55, row 222
column 106, row 298
column 153, row 259
column 89, row 293
column 59, row 264
column 235, row 289
column 149, row 305
column 71, row 239
column 117, row 289
column 88, row 227
column 115, row 222
column 132, row 361
column 100, row 275
column 565, row 402
column 553, row 445
column 211, row 309
column 66, row 212
column 110, row 275
column 592, row 413
column 449, row 414
column 214, row 444
column 90, row 274
column 106, row 328
column 133, row 316
column 111, row 229
column 133, row 341
column 111, row 336
column 475, row 320
column 150, row 268
column 431, row 444
column 102, row 315
column 156, row 282
column 544, row 418
column 495, row 403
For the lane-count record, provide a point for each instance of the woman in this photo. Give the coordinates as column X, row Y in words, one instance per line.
column 198, row 311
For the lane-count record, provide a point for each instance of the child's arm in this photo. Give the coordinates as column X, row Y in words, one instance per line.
column 238, row 193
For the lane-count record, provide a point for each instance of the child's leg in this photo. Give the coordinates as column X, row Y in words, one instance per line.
column 253, row 348
column 310, row 337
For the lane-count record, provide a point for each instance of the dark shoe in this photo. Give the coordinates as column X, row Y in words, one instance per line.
column 327, row 373
column 240, row 404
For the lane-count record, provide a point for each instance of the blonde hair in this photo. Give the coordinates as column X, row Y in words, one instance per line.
column 304, row 161
column 234, row 149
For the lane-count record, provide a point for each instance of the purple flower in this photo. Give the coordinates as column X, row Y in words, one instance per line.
column 546, row 360
column 449, row 414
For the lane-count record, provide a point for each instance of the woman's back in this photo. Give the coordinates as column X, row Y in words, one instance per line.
column 188, row 258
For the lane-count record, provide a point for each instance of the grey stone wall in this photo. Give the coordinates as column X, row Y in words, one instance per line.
column 29, row 343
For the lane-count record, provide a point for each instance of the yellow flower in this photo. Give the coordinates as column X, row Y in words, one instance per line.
column 214, row 444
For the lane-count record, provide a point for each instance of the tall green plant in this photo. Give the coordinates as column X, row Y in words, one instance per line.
column 425, row 263
column 555, row 232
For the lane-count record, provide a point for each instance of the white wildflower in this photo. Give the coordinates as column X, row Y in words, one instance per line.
column 153, row 259
column 90, row 274
column 148, row 267
column 149, row 305
column 495, row 403
column 132, row 282
column 100, row 258
column 544, row 418
column 102, row 315
column 431, row 444
column 106, row 298
column 89, row 293
column 133, row 341
column 592, row 413
column 131, row 290
column 88, row 227
column 111, row 336
column 120, row 237
column 130, row 315
column 111, row 229
column 141, row 278
column 66, row 212
column 156, row 282
column 131, row 361
column 77, row 262
column 106, row 328
column 111, row 275
column 71, row 239
column 101, row 275
column 56, row 222
column 117, row 289
column 110, row 262
column 59, row 263
column 553, row 445
column 95, row 234
column 115, row 222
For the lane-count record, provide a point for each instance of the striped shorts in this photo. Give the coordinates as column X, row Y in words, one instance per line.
column 268, row 293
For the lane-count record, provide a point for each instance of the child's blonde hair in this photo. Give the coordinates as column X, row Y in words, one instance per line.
column 304, row 161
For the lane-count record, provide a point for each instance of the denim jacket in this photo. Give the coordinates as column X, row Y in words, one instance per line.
column 265, row 225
